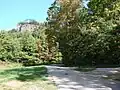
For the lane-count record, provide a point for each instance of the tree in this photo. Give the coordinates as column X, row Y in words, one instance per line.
column 63, row 24
column 86, row 36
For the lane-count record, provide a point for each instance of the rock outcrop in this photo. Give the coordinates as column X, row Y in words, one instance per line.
column 28, row 25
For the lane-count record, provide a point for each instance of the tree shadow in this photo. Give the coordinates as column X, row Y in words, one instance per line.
column 70, row 79
column 26, row 73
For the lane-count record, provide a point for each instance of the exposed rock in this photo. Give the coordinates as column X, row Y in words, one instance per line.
column 28, row 25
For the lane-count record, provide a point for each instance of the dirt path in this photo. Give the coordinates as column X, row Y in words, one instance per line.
column 67, row 79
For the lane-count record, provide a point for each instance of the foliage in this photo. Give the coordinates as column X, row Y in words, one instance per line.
column 47, row 49
column 82, row 36
column 28, row 21
column 23, row 47
column 86, row 36
column 9, row 46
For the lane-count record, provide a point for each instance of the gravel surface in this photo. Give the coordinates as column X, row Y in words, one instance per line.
column 67, row 79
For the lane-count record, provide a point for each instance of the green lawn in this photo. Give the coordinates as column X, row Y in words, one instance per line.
column 25, row 78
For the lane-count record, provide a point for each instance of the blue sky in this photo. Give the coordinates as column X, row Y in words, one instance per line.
column 14, row 11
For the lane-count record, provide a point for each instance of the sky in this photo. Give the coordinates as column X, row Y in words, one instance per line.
column 15, row 11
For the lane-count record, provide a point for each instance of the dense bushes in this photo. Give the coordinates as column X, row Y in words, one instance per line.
column 9, row 46
column 86, row 36
column 23, row 47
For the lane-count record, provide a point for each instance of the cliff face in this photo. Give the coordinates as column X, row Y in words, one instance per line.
column 28, row 25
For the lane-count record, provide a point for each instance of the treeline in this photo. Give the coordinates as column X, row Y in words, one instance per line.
column 28, row 47
column 86, row 35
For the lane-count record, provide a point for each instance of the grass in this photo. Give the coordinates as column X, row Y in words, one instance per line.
column 5, row 65
column 113, row 77
column 107, row 66
column 85, row 69
column 25, row 78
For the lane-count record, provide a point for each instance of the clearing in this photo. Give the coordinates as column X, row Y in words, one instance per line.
column 24, row 78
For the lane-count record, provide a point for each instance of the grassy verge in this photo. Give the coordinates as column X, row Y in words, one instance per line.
column 25, row 78
column 85, row 69
column 107, row 66
column 113, row 77
column 8, row 65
